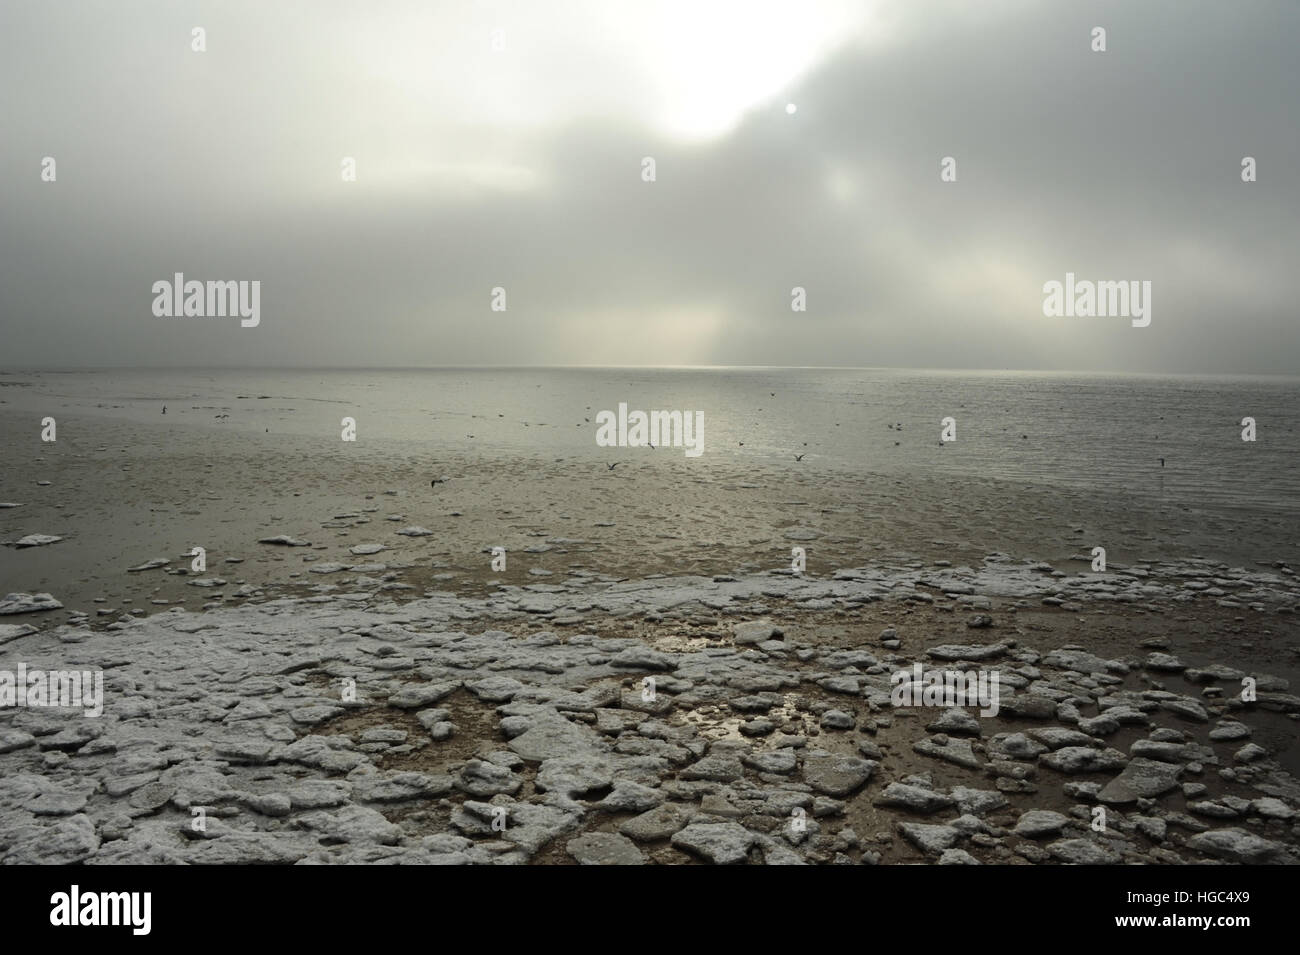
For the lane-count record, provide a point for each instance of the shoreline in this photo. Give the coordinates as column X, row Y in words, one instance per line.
column 153, row 494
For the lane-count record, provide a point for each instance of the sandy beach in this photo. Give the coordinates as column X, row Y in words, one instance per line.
column 373, row 691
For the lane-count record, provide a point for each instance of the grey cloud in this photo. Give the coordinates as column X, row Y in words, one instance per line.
column 1123, row 165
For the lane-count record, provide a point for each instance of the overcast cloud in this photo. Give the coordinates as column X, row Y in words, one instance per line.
column 521, row 168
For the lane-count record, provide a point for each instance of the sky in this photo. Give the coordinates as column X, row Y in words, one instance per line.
column 501, row 145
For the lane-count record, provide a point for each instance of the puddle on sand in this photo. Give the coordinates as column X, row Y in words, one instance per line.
column 716, row 723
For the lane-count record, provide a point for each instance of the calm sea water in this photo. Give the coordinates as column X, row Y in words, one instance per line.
column 1079, row 431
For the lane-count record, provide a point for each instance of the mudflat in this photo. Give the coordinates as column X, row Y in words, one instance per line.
column 648, row 680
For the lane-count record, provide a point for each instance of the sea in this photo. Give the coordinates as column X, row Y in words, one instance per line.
column 1168, row 438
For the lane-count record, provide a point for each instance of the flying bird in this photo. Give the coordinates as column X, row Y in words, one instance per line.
column 799, row 457
column 612, row 466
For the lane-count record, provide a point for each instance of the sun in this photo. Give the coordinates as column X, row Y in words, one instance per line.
column 714, row 62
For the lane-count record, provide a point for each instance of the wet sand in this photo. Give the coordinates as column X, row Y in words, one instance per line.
column 135, row 493
column 659, row 556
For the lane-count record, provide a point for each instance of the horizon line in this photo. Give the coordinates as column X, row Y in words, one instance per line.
column 16, row 369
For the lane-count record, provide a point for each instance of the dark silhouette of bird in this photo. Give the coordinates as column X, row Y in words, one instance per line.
column 772, row 393
column 799, row 457
column 612, row 466
column 742, row 444
column 438, row 480
column 1162, row 462
column 164, row 409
